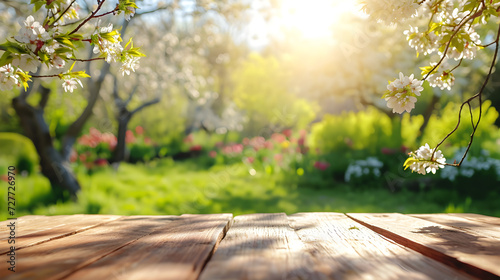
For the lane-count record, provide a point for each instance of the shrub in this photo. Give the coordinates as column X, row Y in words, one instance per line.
column 486, row 137
column 369, row 130
column 17, row 149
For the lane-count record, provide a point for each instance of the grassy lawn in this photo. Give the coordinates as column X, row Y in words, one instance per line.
column 165, row 187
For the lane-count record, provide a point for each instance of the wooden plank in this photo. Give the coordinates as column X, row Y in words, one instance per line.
column 479, row 218
column 56, row 227
column 23, row 222
column 469, row 225
column 344, row 249
column 260, row 246
column 61, row 257
column 177, row 251
column 476, row 255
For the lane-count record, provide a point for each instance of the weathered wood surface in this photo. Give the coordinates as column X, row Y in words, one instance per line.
column 260, row 246
column 476, row 254
column 34, row 231
column 255, row 246
column 177, row 250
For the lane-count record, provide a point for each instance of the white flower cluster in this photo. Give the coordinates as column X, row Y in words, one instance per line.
column 71, row 13
column 36, row 39
column 390, row 11
column 113, row 50
column 402, row 93
column 449, row 17
column 443, row 80
column 130, row 64
column 110, row 49
column 360, row 168
column 32, row 33
column 69, row 84
column 8, row 77
column 471, row 165
column 422, row 42
column 422, row 162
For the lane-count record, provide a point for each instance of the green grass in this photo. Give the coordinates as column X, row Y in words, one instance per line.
column 163, row 187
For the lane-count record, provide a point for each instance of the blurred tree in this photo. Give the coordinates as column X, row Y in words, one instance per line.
column 261, row 90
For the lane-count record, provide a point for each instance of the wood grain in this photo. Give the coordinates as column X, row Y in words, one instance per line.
column 344, row 249
column 479, row 218
column 61, row 257
column 177, row 251
column 25, row 224
column 260, row 246
column 476, row 255
column 55, row 227
column 472, row 226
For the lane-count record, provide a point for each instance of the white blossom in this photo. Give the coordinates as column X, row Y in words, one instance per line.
column 26, row 62
column 70, row 84
column 390, row 11
column 111, row 50
column 401, row 93
column 32, row 32
column 422, row 162
column 8, row 77
column 131, row 63
column 129, row 13
column 425, row 42
column 443, row 80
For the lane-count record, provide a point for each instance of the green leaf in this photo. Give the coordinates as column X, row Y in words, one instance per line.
column 6, row 58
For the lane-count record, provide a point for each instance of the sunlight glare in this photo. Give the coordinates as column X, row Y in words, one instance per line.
column 314, row 19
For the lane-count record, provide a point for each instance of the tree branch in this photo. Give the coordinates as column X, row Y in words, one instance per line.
column 479, row 96
column 45, row 93
column 131, row 94
column 144, row 105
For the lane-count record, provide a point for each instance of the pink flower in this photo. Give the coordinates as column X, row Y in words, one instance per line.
column 139, row 130
column 250, row 159
column 268, row 145
column 237, row 148
column 278, row 157
column 94, row 132
column 278, row 137
column 73, row 156
column 4, row 178
column 212, row 154
column 287, row 133
column 195, row 148
column 257, row 142
column 82, row 157
column 321, row 165
column 301, row 141
column 101, row 162
column 219, row 144
column 109, row 139
column 387, row 151
column 129, row 137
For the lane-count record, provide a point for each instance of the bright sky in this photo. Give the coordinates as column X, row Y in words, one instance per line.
column 313, row 19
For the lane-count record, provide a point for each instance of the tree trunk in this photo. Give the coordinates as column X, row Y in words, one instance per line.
column 94, row 87
column 428, row 113
column 53, row 166
column 119, row 154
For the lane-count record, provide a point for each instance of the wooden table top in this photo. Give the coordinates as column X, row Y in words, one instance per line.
column 255, row 246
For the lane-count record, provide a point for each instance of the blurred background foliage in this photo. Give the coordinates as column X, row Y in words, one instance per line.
column 258, row 115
